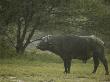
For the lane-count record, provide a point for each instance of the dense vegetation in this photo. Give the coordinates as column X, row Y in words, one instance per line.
column 24, row 21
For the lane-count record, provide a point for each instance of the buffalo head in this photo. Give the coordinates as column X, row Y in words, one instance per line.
column 44, row 43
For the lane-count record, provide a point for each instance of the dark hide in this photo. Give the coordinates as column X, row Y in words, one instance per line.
column 75, row 47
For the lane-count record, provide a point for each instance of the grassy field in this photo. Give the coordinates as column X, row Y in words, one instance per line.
column 44, row 67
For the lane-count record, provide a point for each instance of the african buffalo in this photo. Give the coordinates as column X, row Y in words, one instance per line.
column 75, row 47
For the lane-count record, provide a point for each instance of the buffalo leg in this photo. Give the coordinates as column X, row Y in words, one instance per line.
column 96, row 63
column 69, row 65
column 65, row 66
column 104, row 61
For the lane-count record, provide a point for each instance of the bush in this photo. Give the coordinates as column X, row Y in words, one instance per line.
column 6, row 51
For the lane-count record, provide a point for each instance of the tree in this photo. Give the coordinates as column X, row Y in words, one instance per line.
column 24, row 17
column 21, row 18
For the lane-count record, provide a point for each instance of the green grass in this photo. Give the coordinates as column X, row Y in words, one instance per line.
column 44, row 67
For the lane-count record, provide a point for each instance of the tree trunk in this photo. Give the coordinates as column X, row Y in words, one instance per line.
column 23, row 39
column 20, row 49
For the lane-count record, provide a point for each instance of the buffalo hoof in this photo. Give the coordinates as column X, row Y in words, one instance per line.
column 65, row 72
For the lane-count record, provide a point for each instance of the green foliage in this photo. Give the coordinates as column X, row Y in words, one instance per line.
column 19, row 19
column 6, row 50
column 88, row 13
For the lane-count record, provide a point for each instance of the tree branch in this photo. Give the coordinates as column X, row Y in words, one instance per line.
column 29, row 37
column 18, row 32
column 24, row 32
column 27, row 17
